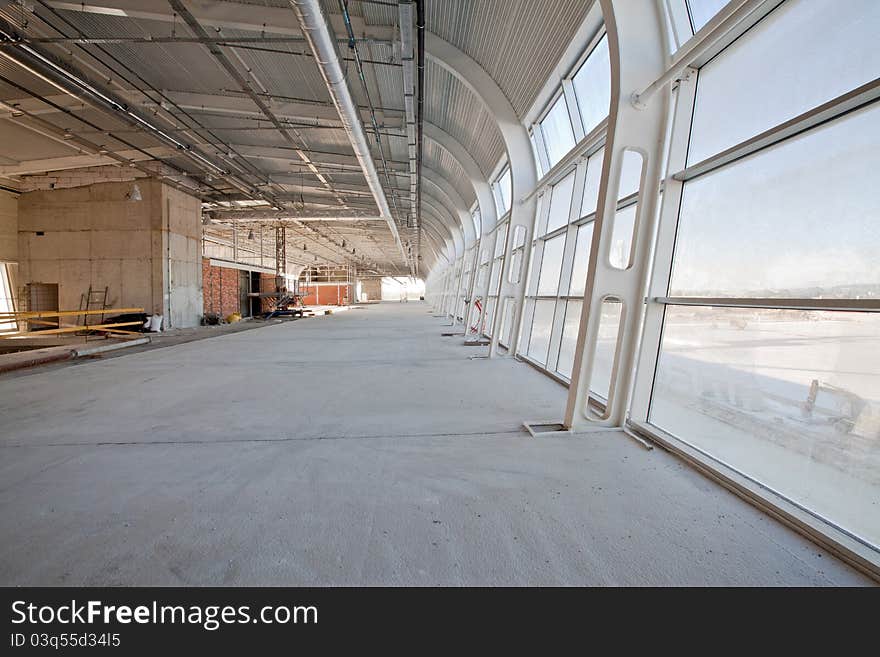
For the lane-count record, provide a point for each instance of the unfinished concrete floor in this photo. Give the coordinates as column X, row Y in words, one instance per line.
column 356, row 449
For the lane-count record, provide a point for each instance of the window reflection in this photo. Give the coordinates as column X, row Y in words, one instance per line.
column 790, row 397
column 556, row 128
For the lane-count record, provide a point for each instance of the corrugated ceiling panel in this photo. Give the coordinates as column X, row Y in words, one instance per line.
column 17, row 75
column 436, row 157
column 290, row 72
column 375, row 14
column 388, row 78
column 281, row 4
column 106, row 26
column 450, row 105
column 518, row 42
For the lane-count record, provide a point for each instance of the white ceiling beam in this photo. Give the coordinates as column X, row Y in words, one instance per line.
column 68, row 162
column 241, row 105
column 482, row 190
column 447, row 192
column 272, row 20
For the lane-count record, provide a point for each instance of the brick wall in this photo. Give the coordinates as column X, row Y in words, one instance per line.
column 267, row 284
column 220, row 286
column 329, row 294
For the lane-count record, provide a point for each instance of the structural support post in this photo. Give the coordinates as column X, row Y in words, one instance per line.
column 638, row 56
column 280, row 257
column 520, row 231
column 488, row 217
column 524, row 174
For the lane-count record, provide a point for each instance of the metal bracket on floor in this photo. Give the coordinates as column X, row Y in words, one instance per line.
column 557, row 429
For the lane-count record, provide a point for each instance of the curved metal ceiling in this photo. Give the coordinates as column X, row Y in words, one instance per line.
column 141, row 51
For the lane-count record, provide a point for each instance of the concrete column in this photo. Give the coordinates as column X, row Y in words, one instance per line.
column 146, row 252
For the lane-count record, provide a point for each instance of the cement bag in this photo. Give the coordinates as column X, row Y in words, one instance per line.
column 156, row 323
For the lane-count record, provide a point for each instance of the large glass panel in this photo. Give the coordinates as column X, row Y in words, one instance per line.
column 581, row 260
column 519, row 240
column 591, row 186
column 791, row 398
column 569, row 337
column 621, row 237
column 556, row 128
column 538, row 163
column 501, row 240
column 477, row 219
column 6, row 302
column 560, row 203
column 795, row 220
column 551, row 266
column 592, row 86
column 506, row 323
column 702, row 11
column 528, row 315
column 495, row 279
column 489, row 315
column 481, row 277
column 533, row 273
column 502, row 191
column 539, row 340
column 801, row 55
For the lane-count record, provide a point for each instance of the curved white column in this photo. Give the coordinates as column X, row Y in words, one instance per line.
column 638, row 57
column 522, row 168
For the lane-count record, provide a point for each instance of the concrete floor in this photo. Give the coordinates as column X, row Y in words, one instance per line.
column 356, row 449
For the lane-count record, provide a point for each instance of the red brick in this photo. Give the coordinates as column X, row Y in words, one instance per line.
column 220, row 288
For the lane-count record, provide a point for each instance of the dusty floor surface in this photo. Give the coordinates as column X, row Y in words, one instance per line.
column 357, row 449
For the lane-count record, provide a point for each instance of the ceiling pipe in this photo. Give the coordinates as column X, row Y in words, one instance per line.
column 306, row 215
column 407, row 57
column 218, row 54
column 323, row 44
column 51, row 131
column 43, row 65
column 352, row 45
column 420, row 26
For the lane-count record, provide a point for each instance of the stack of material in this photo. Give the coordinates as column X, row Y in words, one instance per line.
column 49, row 322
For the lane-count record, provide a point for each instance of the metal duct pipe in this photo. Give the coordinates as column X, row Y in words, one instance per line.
column 323, row 44
column 420, row 25
column 407, row 56
column 290, row 215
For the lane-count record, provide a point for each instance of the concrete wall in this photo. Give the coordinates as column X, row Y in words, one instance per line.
column 146, row 252
column 8, row 227
column 371, row 288
column 183, row 240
